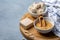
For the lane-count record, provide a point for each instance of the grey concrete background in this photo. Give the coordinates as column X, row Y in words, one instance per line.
column 10, row 13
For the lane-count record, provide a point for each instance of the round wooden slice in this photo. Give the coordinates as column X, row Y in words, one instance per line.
column 33, row 34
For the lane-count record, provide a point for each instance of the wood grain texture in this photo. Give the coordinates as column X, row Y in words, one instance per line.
column 36, row 35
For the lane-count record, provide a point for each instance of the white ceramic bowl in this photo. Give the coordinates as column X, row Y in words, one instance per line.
column 44, row 31
column 35, row 14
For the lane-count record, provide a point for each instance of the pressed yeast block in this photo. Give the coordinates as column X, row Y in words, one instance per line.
column 27, row 23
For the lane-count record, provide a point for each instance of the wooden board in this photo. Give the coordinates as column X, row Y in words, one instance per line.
column 34, row 33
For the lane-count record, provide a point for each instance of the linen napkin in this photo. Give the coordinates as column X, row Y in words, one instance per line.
column 54, row 13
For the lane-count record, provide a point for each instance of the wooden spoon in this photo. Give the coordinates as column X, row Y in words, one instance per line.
column 42, row 21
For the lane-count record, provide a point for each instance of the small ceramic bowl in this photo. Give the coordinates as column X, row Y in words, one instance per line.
column 44, row 31
column 36, row 14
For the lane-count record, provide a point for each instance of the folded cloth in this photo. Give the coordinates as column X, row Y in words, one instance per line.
column 58, row 1
column 58, row 13
column 54, row 13
column 49, row 1
column 55, row 3
column 56, row 30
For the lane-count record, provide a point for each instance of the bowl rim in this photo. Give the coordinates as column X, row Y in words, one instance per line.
column 42, row 29
column 36, row 13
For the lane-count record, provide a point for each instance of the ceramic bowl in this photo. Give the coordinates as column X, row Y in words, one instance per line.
column 36, row 14
column 44, row 31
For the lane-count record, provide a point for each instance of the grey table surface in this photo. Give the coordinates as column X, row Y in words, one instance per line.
column 10, row 13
